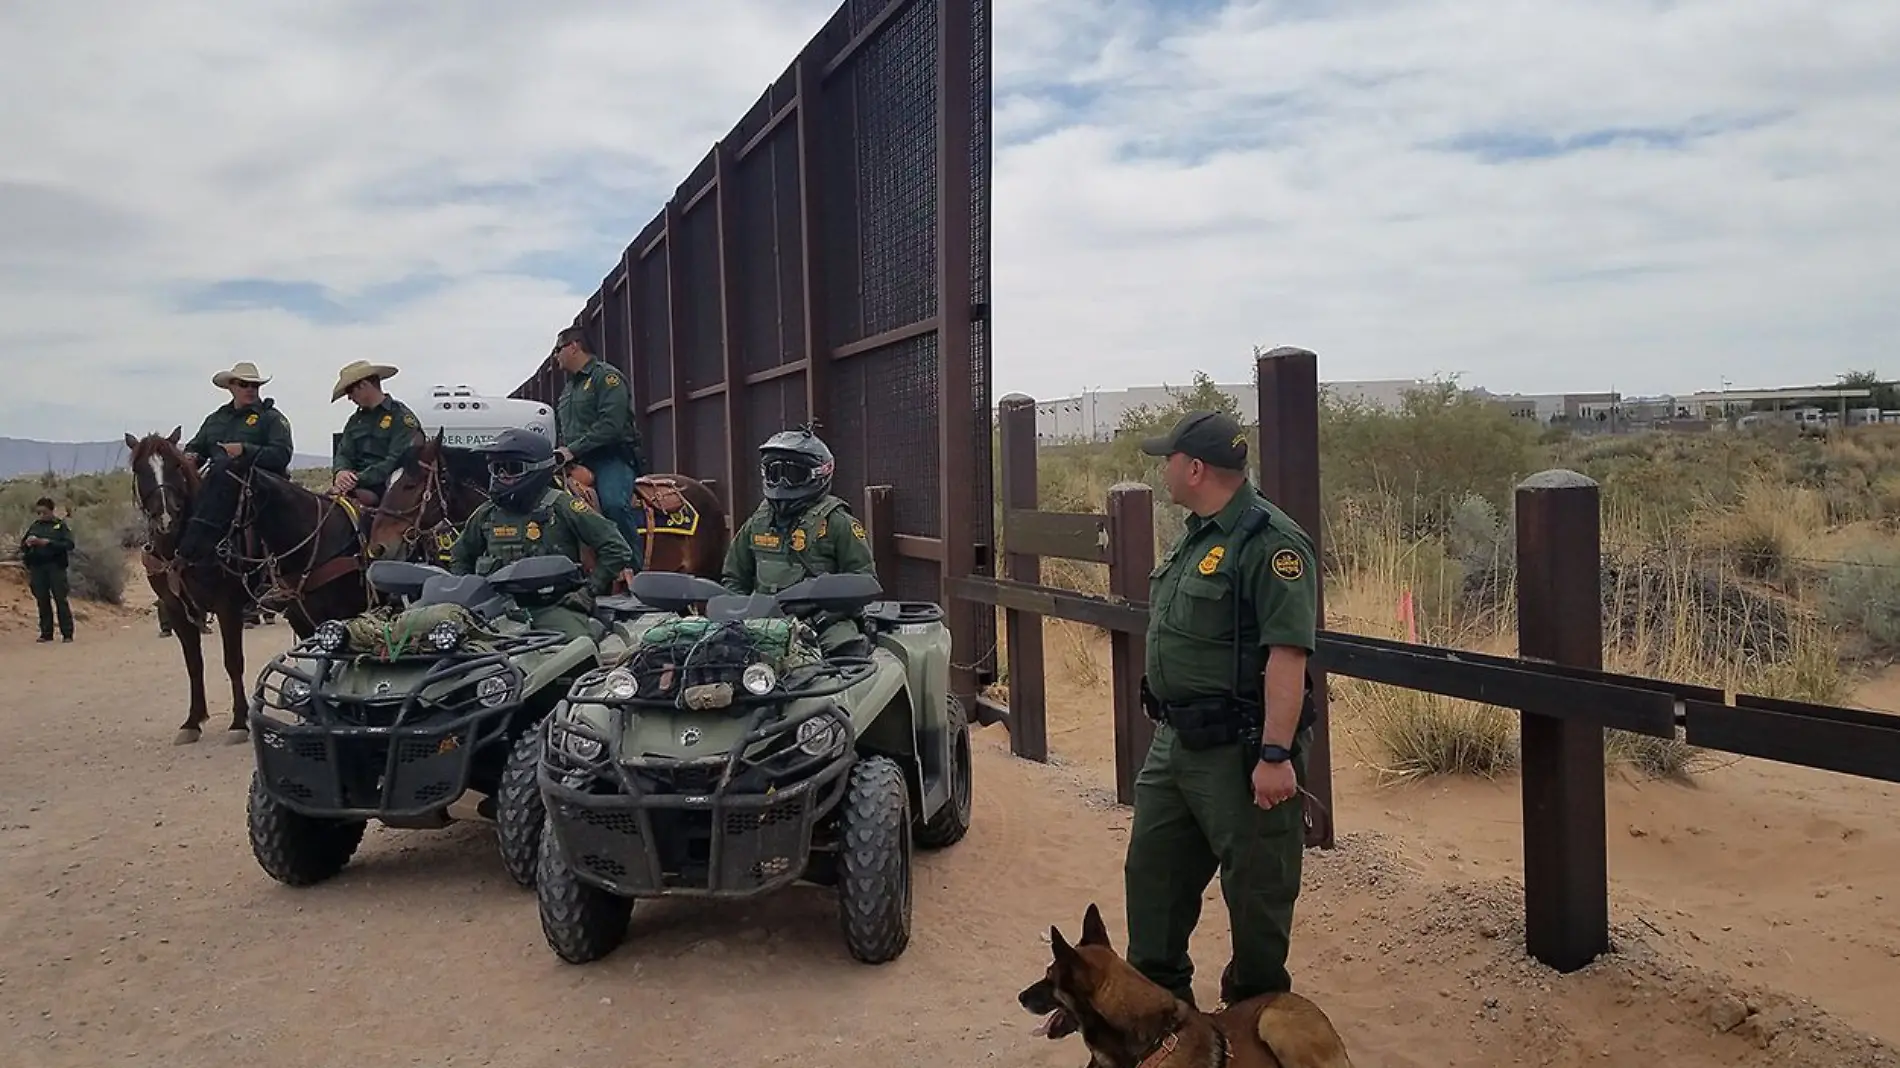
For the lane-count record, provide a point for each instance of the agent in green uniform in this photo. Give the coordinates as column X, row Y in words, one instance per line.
column 526, row 515
column 594, row 426
column 1232, row 617
column 245, row 425
column 800, row 529
column 377, row 435
column 45, row 549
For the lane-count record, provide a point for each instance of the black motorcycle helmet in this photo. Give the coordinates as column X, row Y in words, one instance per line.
column 795, row 468
column 520, row 466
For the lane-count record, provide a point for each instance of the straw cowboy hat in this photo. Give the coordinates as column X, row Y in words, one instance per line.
column 355, row 373
column 242, row 371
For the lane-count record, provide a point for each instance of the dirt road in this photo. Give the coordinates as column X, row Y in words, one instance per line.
column 137, row 930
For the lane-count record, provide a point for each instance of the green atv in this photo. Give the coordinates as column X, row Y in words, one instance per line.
column 395, row 714
column 725, row 756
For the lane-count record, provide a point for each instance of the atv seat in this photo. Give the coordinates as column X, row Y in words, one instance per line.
column 469, row 591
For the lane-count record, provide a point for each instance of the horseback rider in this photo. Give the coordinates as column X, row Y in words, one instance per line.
column 247, row 424
column 594, row 426
column 376, row 437
column 800, row 529
column 527, row 515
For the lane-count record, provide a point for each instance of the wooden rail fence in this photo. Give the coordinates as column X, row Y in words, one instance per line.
column 1557, row 683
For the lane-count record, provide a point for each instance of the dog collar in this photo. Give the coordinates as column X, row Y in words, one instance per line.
column 1161, row 1051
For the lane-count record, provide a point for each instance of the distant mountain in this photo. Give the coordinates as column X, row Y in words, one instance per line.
column 21, row 457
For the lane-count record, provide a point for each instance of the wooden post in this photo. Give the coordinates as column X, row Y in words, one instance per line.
column 1028, row 707
column 1131, row 546
column 880, row 529
column 1288, row 384
column 1560, row 620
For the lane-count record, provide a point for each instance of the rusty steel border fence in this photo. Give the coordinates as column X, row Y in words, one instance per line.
column 1557, row 684
column 829, row 259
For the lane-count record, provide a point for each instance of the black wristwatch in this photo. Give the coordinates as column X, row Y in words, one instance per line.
column 1273, row 754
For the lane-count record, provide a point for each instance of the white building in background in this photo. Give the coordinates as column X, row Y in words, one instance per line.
column 1094, row 415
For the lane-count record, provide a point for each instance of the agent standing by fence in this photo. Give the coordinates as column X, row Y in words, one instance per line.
column 46, row 548
column 595, row 427
column 1233, row 615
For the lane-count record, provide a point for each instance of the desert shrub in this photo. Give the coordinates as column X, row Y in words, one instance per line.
column 1863, row 591
column 1421, row 734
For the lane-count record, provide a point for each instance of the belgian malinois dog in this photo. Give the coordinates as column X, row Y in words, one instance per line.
column 1128, row 1022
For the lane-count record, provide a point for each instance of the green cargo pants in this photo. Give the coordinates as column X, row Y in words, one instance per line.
column 565, row 620
column 1195, row 815
column 52, row 589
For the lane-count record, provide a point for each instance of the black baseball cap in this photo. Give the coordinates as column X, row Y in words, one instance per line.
column 1213, row 438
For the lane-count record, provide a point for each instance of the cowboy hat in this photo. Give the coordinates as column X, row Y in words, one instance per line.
column 242, row 371
column 355, row 373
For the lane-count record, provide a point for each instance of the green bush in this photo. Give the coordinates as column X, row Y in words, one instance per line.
column 1863, row 591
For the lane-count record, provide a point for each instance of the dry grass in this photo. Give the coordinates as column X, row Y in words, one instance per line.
column 1717, row 569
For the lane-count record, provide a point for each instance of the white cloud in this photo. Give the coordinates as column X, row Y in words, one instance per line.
column 1170, row 188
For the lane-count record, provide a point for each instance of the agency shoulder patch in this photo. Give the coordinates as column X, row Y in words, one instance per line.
column 857, row 530
column 409, row 420
column 612, row 380
column 1287, row 564
column 577, row 504
column 1211, row 562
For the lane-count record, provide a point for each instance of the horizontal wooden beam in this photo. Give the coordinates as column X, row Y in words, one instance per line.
column 1822, row 740
column 918, row 547
column 1525, row 686
column 1052, row 602
column 1064, row 535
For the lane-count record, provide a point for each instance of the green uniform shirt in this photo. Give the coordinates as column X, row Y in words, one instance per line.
column 1191, row 602
column 374, row 442
column 768, row 557
column 262, row 430
column 595, row 412
column 53, row 530
column 558, row 525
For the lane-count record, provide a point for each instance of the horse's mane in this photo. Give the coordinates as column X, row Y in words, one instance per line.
column 212, row 512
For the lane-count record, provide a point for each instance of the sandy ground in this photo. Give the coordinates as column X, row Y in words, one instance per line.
column 1756, row 919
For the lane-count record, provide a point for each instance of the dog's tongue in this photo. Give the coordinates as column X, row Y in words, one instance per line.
column 1042, row 1029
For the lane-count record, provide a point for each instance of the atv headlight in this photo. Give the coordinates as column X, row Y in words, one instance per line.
column 331, row 637
column 492, row 690
column 581, row 746
column 758, row 679
column 295, row 692
column 620, row 685
column 445, row 636
column 818, row 735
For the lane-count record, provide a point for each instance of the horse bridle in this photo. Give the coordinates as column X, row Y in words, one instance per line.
column 411, row 517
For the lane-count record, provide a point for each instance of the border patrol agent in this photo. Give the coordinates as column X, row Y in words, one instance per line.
column 799, row 529
column 526, row 515
column 1233, row 612
column 246, row 424
column 377, row 435
column 45, row 549
column 594, row 424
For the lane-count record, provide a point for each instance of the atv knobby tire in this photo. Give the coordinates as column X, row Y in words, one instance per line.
column 520, row 812
column 582, row 923
column 952, row 821
column 874, row 861
column 295, row 849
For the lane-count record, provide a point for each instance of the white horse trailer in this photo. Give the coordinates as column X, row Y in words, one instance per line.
column 469, row 420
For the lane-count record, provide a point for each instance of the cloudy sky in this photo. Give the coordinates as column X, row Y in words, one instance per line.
column 1556, row 195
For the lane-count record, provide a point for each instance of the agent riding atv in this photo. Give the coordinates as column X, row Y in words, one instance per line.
column 395, row 714
column 727, row 755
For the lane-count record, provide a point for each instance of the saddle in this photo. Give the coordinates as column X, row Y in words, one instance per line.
column 659, row 497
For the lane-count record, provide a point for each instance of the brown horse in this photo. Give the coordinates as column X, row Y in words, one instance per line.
column 309, row 555
column 167, row 487
column 685, row 526
column 426, row 501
